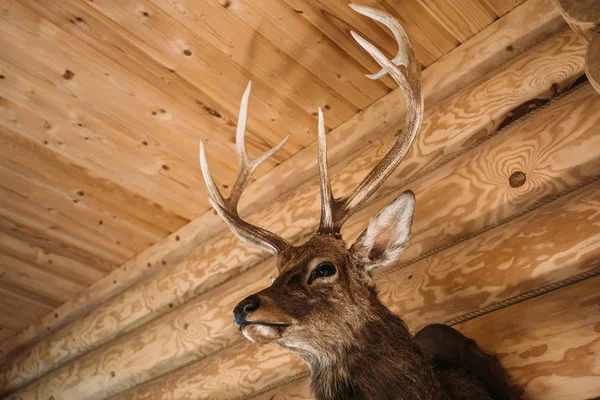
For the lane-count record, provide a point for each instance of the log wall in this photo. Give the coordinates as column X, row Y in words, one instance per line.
column 506, row 172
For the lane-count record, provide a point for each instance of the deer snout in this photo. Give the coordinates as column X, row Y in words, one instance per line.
column 245, row 307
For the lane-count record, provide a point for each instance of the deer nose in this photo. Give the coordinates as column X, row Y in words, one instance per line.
column 245, row 307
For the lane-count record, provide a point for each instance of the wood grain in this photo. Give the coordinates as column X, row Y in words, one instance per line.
column 475, row 58
column 286, row 28
column 105, row 209
column 133, row 319
column 464, row 18
column 153, row 117
column 592, row 62
column 546, row 358
column 470, row 193
column 468, row 277
column 117, row 43
column 578, row 128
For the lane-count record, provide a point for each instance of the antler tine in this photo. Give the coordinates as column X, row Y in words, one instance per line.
column 227, row 207
column 405, row 54
column 410, row 84
column 327, row 201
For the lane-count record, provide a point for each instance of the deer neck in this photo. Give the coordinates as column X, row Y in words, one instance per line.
column 382, row 361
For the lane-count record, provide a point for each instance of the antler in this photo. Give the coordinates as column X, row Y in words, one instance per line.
column 334, row 212
column 227, row 207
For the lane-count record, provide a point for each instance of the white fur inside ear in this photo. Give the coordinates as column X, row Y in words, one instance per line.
column 387, row 235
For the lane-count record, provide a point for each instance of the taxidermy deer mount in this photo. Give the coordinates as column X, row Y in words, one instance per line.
column 323, row 306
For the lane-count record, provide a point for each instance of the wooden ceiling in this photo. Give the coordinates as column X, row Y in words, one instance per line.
column 103, row 104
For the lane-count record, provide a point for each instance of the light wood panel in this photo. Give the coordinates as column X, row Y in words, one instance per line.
column 45, row 260
column 578, row 128
column 463, row 18
column 483, row 272
column 141, row 169
column 130, row 321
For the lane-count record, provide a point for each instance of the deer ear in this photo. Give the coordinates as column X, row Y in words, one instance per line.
column 387, row 234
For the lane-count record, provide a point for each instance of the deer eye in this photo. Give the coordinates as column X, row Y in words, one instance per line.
column 323, row 270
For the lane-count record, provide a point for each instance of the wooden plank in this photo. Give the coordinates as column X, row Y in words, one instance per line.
column 335, row 20
column 50, row 246
column 469, row 277
column 578, row 127
column 464, row 18
column 118, row 44
column 153, row 116
column 18, row 291
column 35, row 280
column 50, row 119
column 501, row 7
column 288, row 31
column 430, row 38
column 45, row 260
column 550, row 354
column 6, row 333
column 17, row 312
column 57, row 226
column 106, row 209
column 258, row 56
column 117, row 206
column 181, row 47
column 476, row 57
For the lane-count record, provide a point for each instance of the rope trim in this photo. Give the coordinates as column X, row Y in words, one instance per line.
column 525, row 296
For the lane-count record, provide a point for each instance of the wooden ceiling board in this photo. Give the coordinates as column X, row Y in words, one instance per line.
column 19, row 310
column 170, row 42
column 62, row 266
column 36, row 280
column 286, row 28
column 501, row 7
column 49, row 245
column 51, row 119
column 103, row 207
column 136, row 107
column 464, row 18
column 103, row 103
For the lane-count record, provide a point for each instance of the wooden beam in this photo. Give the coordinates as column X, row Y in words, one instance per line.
column 484, row 273
column 570, row 116
column 476, row 57
column 64, row 266
column 545, row 358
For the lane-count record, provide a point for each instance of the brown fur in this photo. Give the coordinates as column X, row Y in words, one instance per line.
column 355, row 346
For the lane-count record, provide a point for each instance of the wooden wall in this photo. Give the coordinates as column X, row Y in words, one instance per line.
column 505, row 244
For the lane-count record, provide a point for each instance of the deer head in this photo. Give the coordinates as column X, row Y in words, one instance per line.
column 323, row 293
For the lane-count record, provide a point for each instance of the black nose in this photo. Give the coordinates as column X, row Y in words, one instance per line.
column 244, row 307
